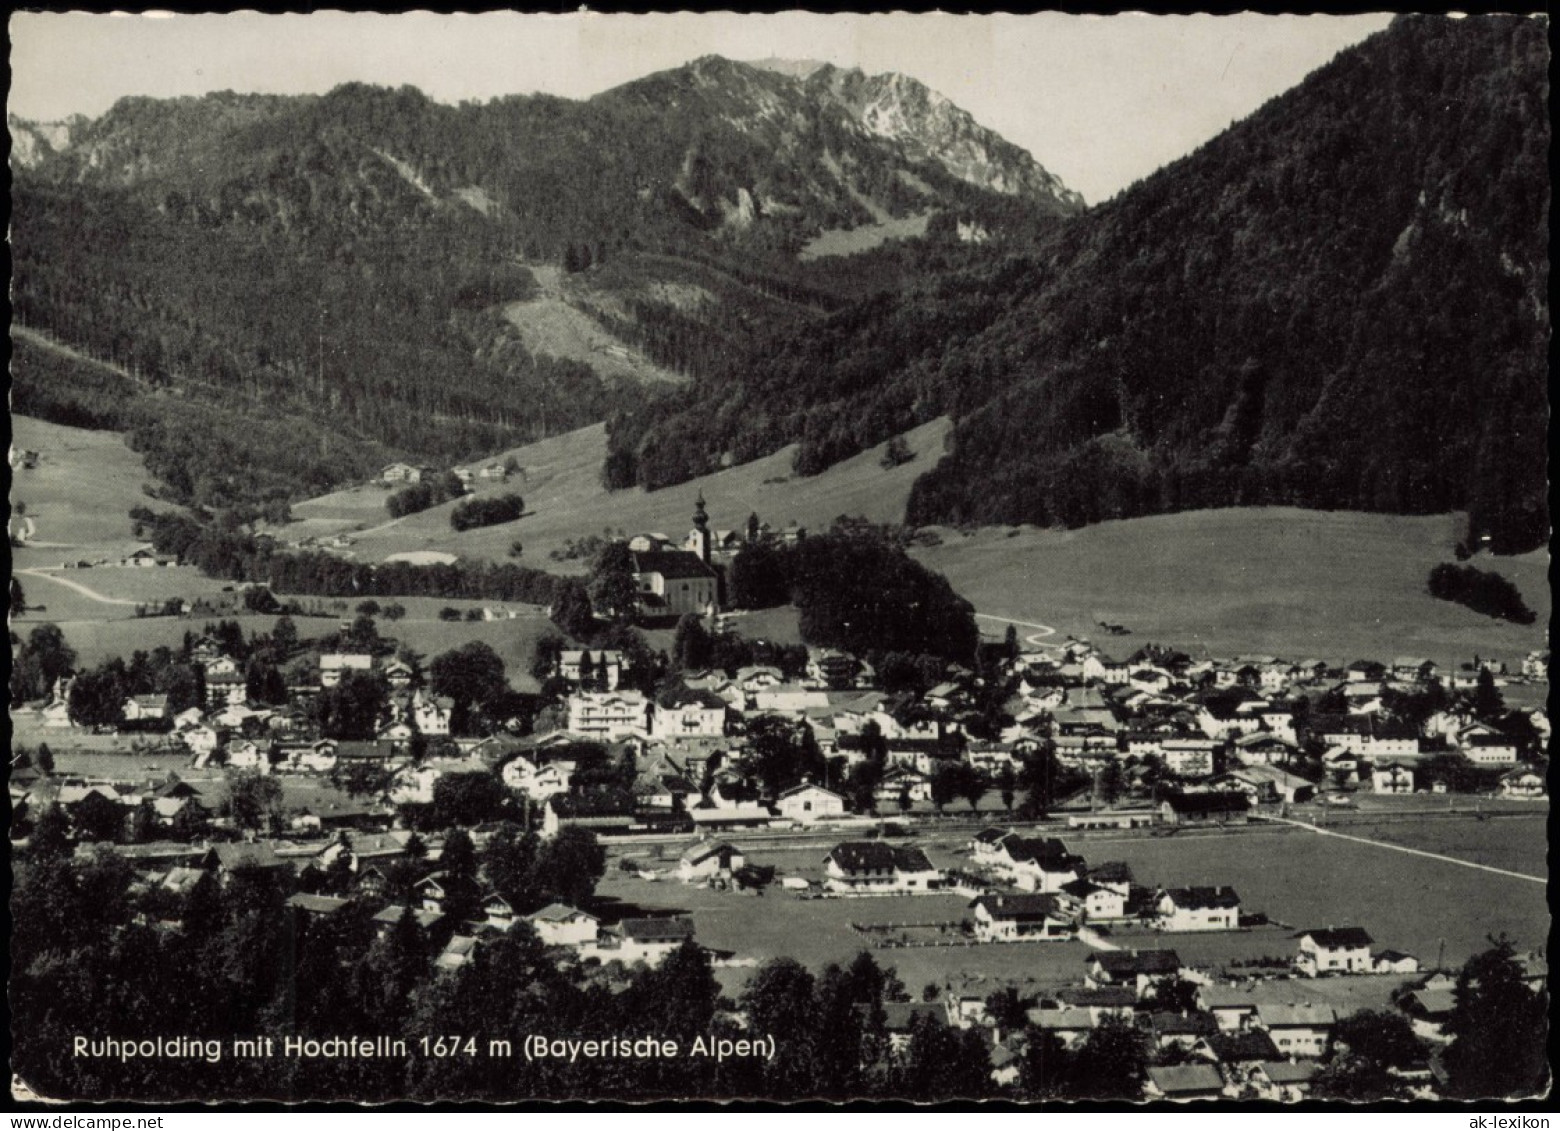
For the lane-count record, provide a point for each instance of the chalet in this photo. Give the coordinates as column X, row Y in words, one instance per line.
column 1297, row 1030
column 808, row 803
column 986, row 845
column 1218, row 807
column 871, row 867
column 1231, row 1007
column 1490, row 750
column 829, row 668
column 708, row 860
column 902, row 782
column 1428, row 1010
column 558, row 924
column 1188, row 757
column 498, row 911
column 1038, row 864
column 1113, row 874
column 335, row 665
column 1135, row 969
column 1014, row 918
column 1282, row 1081
column 430, row 892
column 1070, row 1026
column 1180, row 1030
column 244, row 754
column 318, row 756
column 604, row 669
column 1262, row 784
column 1342, row 766
column 242, row 856
column 1088, row 902
column 1184, row 1082
column 1102, row 1001
column 1198, row 909
column 1394, row 962
column 1237, row 1050
column 689, row 714
column 612, row 715
column 428, row 921
column 200, row 739
column 1413, row 669
column 1523, row 783
column 1262, row 747
column 404, row 473
column 651, row 940
column 1335, row 950
column 1393, row 777
column 1365, row 671
column 145, row 708
column 398, row 674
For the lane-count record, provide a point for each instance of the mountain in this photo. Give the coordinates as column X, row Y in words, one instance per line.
column 431, row 281
column 1340, row 302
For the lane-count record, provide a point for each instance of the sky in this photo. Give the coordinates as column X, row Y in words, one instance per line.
column 1099, row 101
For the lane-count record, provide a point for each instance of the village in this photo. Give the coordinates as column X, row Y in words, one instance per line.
column 976, row 797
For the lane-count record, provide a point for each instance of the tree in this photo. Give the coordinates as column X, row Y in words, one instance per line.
column 284, row 636
column 1382, row 1036
column 571, row 609
column 18, row 598
column 471, row 675
column 690, row 644
column 782, row 752
column 509, row 863
column 469, row 798
column 1006, row 1009
column 1005, row 783
column 613, row 591
column 97, row 697
column 43, row 757
column 352, row 709
column 1487, row 702
column 896, row 452
column 1497, row 1026
column 779, row 1000
column 96, row 818
column 50, row 839
column 253, row 798
column 570, row 865
column 1010, row 643
column 1111, row 1063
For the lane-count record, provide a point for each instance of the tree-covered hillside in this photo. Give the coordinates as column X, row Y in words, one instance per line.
column 1339, row 302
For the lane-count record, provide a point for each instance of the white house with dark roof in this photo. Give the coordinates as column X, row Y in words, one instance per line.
column 1184, row 1082
column 1335, row 950
column 1015, row 918
column 611, row 715
column 1198, row 909
column 871, row 867
column 1300, row 1030
column 650, row 940
column 1392, row 777
column 808, row 803
column 558, row 924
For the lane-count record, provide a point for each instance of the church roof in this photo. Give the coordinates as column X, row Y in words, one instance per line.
column 671, row 564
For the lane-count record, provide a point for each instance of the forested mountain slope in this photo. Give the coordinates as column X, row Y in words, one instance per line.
column 1339, row 302
column 349, row 257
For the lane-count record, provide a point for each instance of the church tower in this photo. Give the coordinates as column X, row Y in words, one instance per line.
column 698, row 541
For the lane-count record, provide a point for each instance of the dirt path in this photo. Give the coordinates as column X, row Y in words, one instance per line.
column 78, row 587
column 1411, row 851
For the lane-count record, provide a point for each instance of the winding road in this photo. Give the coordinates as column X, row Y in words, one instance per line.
column 1037, row 638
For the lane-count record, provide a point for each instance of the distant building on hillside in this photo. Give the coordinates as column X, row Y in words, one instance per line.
column 674, row 582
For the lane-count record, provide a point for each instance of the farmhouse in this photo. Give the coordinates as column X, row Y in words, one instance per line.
column 1281, row 1081
column 1136, row 969
column 1393, row 777
column 1490, row 750
column 1009, row 918
column 1524, row 782
column 869, row 867
column 1219, row 807
column 1335, row 950
column 1184, row 1082
column 1198, row 909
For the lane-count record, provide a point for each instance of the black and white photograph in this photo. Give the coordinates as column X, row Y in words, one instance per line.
column 785, row 558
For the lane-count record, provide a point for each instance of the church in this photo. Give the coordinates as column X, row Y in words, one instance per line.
column 674, row 582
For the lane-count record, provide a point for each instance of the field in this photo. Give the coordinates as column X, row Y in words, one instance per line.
column 1297, row 878
column 1296, row 583
column 80, row 494
column 565, row 500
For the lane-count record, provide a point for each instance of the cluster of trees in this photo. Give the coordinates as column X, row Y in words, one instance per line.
column 425, row 493
column 38, row 662
column 221, row 549
column 696, row 648
column 1286, row 316
column 857, row 590
column 487, row 512
column 1483, row 591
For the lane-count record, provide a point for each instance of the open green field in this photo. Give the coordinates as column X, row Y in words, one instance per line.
column 80, row 494
column 565, row 500
column 1279, row 580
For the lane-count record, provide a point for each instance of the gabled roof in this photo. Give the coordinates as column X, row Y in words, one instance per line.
column 1080, row 997
column 674, row 565
column 1283, row 1072
column 1027, row 908
column 806, row 787
column 316, row 904
column 1244, row 1045
column 1129, row 963
column 1277, row 1015
column 559, row 913
column 239, row 855
column 1111, row 872
column 1203, row 898
column 1183, row 1024
column 1338, row 938
column 698, row 853
column 1184, row 1079
column 392, row 914
column 899, row 1015
column 1218, row 801
column 992, row 835
column 657, row 930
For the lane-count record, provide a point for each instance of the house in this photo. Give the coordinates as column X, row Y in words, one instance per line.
column 808, row 803
column 604, row 668
column 1135, row 969
column 558, row 924
column 334, row 665
column 318, row 756
column 1198, row 909
column 1180, row 1030
column 1262, row 747
column 1335, row 950
column 1393, row 777
column 1070, row 1026
column 1297, row 1030
column 1263, row 784
column 499, row 912
column 1490, row 750
column 1394, row 962
column 430, row 892
column 1038, row 864
column 1365, row 671
column 986, row 845
column 1237, row 1050
column 245, row 754
column 316, row 906
column 612, row 715
column 709, row 860
column 871, row 867
column 1282, row 1081
column 1524, row 782
column 1184, row 1082
column 1102, row 1001
column 1230, row 1006
column 674, row 582
column 398, row 674
column 388, row 917
column 566, row 811
column 1428, row 1010
column 651, row 940
column 1188, row 757
column 238, row 856
column 1218, row 807
column 689, row 714
column 899, row 1020
column 145, row 708
column 1011, row 918
column 1088, row 902
column 200, row 739
column 901, row 783
column 404, row 473
column 1413, row 669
